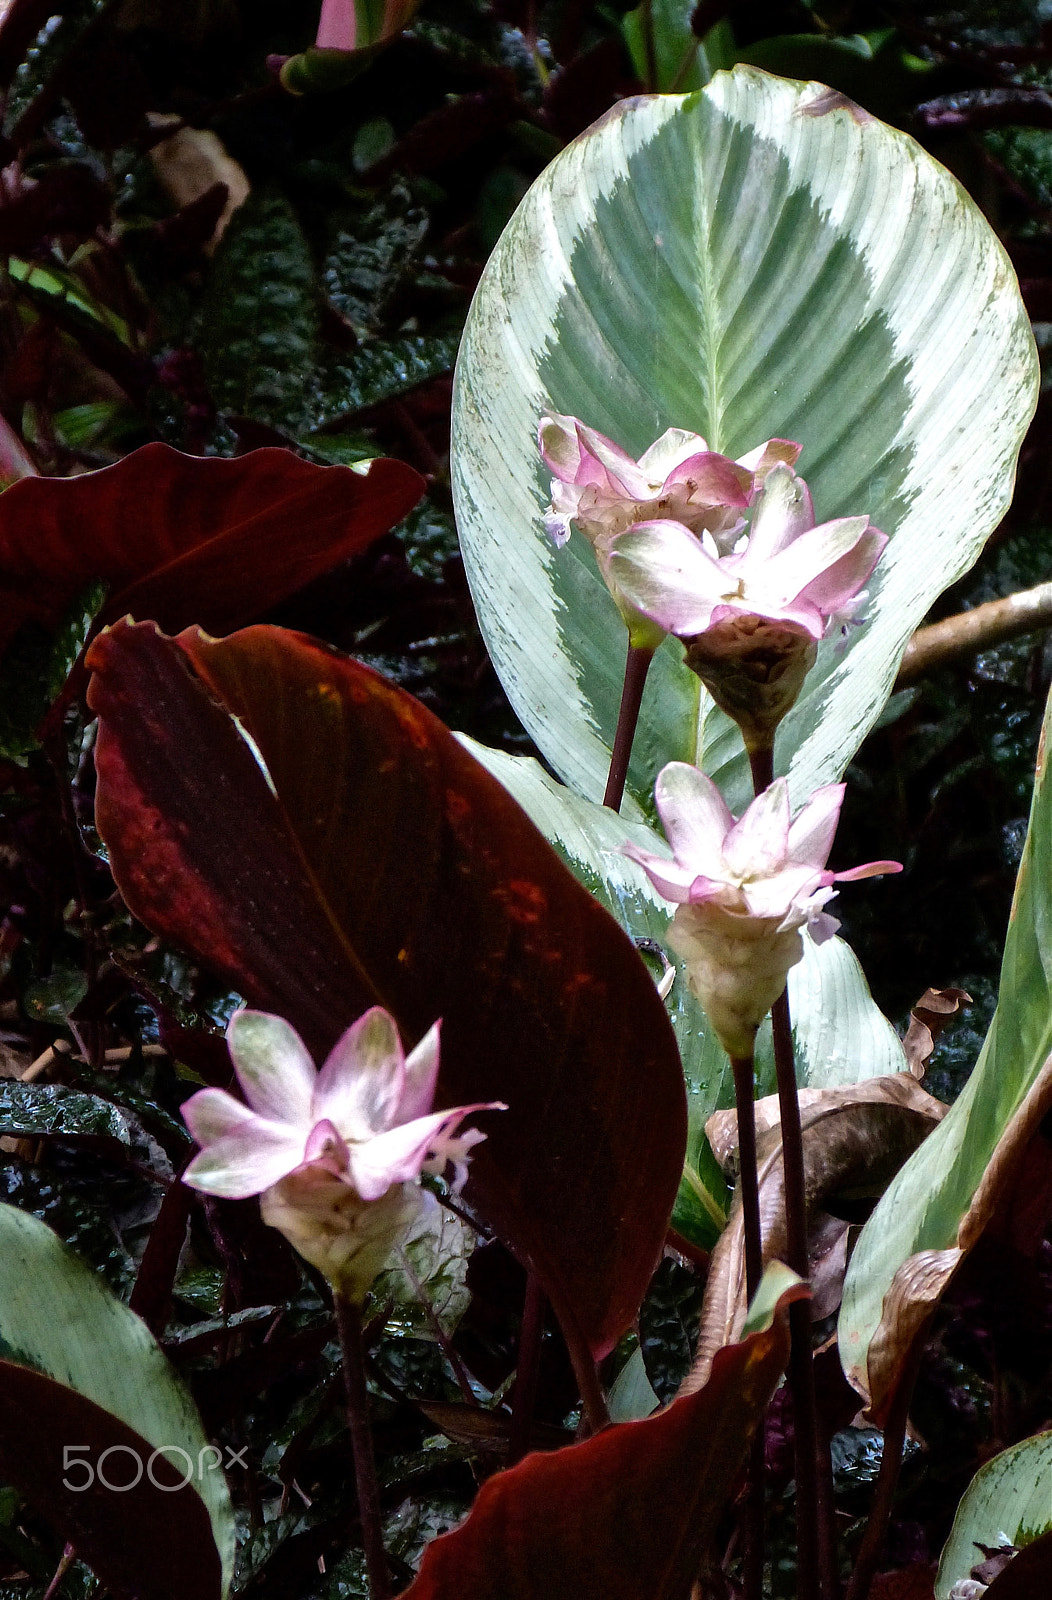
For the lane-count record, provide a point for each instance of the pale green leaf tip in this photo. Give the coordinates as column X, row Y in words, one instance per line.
column 779, row 1283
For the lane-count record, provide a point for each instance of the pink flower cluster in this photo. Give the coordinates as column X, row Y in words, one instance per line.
column 671, row 539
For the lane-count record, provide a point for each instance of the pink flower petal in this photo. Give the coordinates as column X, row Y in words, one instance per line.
column 783, row 892
column 662, row 571
column 712, row 479
column 668, row 877
column 421, row 1075
column 811, row 834
column 783, row 512
column 273, row 1067
column 666, row 453
column 791, row 572
column 338, row 27
column 870, row 869
column 757, row 844
column 399, row 1155
column 834, row 588
column 772, row 453
column 695, row 817
column 362, row 1081
column 210, row 1113
column 246, row 1161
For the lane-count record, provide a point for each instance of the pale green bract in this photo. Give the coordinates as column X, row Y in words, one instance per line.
column 840, row 1034
column 58, row 1318
column 1007, row 1502
column 758, row 259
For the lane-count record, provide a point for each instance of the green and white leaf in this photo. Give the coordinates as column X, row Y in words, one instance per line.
column 839, row 1033
column 757, row 259
column 1008, row 1502
column 57, row 1317
column 926, row 1202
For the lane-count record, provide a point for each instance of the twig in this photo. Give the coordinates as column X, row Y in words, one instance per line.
column 968, row 632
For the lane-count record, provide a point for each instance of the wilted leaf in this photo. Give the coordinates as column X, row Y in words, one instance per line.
column 186, row 539
column 189, row 164
column 80, row 1370
column 319, row 838
column 629, row 1514
column 753, row 260
column 855, row 1140
column 934, row 1011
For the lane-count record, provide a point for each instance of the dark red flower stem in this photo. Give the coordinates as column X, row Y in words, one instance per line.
column 349, row 1323
column 865, row 1564
column 753, row 1509
column 527, row 1366
column 637, row 665
column 809, row 1563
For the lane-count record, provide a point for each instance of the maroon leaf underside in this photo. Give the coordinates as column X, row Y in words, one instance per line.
column 629, row 1514
column 186, row 539
column 389, row 867
column 144, row 1543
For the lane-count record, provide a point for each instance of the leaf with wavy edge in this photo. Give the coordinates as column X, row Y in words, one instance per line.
column 841, row 1036
column 943, row 1198
column 758, row 259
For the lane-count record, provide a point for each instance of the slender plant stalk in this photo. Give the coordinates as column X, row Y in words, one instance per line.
column 809, row 1562
column 349, row 1323
column 637, row 665
column 525, row 1394
column 890, row 1462
column 752, row 1511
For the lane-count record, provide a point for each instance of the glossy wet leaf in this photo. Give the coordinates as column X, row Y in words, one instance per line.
column 81, row 1369
column 758, row 259
column 633, row 1508
column 940, row 1202
column 839, row 1033
column 320, row 839
column 261, row 315
column 1007, row 1502
column 187, row 539
column 45, row 1108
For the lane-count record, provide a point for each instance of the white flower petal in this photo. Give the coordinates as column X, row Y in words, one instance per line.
column 362, row 1082
column 273, row 1067
column 695, row 817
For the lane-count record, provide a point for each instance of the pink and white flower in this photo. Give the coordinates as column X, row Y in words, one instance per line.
column 365, row 1119
column 602, row 491
column 804, row 577
column 744, row 891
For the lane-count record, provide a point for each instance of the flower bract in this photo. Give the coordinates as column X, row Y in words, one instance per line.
column 744, row 891
column 805, row 577
column 602, row 491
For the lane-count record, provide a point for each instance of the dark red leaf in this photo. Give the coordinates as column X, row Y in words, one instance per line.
column 184, row 539
column 387, row 865
column 144, row 1542
column 629, row 1514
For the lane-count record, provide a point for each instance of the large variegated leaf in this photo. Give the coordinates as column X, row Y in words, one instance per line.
column 943, row 1198
column 761, row 258
column 1007, row 1502
column 840, row 1034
